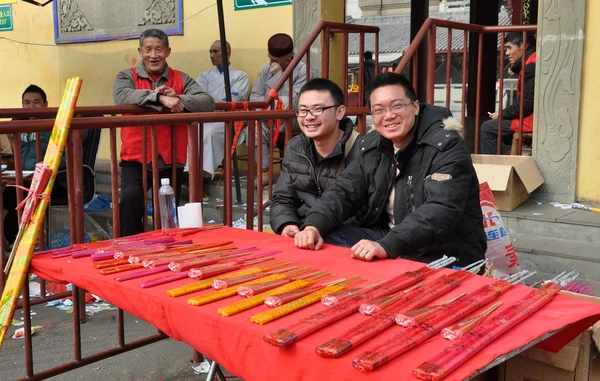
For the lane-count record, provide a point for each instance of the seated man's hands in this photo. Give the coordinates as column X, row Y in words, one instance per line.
column 494, row 115
column 290, row 231
column 309, row 238
column 366, row 250
column 173, row 103
column 166, row 90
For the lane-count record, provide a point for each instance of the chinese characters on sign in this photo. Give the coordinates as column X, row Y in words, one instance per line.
column 240, row 5
column 6, row 19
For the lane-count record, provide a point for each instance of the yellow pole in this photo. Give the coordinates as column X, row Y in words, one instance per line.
column 56, row 147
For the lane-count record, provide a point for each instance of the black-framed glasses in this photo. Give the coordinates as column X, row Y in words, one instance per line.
column 394, row 109
column 302, row 113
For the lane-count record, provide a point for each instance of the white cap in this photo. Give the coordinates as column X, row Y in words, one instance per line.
column 165, row 181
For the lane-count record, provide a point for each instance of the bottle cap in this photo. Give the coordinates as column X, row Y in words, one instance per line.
column 165, row 181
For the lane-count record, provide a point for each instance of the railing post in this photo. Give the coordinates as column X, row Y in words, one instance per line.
column 431, row 66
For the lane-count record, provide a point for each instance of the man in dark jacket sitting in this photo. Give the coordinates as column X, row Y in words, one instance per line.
column 415, row 179
column 313, row 159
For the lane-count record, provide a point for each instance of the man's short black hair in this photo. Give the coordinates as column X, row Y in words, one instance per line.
column 368, row 55
column 322, row 84
column 156, row 33
column 35, row 89
column 516, row 38
column 393, row 79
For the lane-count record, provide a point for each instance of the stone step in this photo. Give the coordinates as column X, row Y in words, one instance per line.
column 541, row 219
column 551, row 256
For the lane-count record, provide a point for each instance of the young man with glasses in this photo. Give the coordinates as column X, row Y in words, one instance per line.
column 413, row 183
column 314, row 159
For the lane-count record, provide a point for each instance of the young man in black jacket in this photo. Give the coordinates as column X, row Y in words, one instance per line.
column 413, row 182
column 313, row 159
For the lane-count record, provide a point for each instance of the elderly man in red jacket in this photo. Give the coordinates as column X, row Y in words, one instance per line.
column 153, row 84
column 513, row 44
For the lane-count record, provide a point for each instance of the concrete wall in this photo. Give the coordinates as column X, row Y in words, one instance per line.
column 588, row 162
column 98, row 62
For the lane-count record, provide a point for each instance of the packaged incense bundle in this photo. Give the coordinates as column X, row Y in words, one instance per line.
column 458, row 330
column 415, row 297
column 207, row 283
column 427, row 325
column 270, row 315
column 259, row 288
column 259, row 299
column 309, row 325
column 472, row 342
column 281, row 299
column 228, row 292
column 221, row 282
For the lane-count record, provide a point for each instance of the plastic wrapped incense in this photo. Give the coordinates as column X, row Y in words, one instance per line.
column 415, row 297
column 259, row 299
column 227, row 292
column 458, row 330
column 259, row 288
column 429, row 326
column 120, row 268
column 162, row 280
column 281, row 299
column 336, row 297
column 221, row 282
column 228, row 265
column 416, row 316
column 385, row 301
column 207, row 283
column 198, row 253
column 464, row 348
column 309, row 325
column 270, row 315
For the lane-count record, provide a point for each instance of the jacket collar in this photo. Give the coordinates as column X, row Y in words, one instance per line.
column 141, row 71
column 346, row 125
column 220, row 70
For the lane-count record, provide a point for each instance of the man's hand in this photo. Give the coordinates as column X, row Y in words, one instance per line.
column 494, row 115
column 366, row 250
column 274, row 68
column 166, row 90
column 309, row 238
column 173, row 103
column 290, row 231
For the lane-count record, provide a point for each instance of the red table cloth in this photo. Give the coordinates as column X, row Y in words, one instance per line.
column 237, row 344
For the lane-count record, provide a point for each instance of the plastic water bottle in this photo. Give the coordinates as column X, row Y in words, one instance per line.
column 168, row 208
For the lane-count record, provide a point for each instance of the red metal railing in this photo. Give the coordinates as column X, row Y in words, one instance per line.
column 88, row 118
column 427, row 34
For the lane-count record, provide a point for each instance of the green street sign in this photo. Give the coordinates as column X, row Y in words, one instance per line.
column 240, row 5
column 6, row 20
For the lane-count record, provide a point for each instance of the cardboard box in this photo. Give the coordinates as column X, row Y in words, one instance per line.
column 511, row 178
column 577, row 361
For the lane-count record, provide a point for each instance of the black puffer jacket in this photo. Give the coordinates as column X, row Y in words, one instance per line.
column 434, row 214
column 304, row 178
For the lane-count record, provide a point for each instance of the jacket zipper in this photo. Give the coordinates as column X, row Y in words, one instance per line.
column 411, row 194
column 387, row 196
column 314, row 172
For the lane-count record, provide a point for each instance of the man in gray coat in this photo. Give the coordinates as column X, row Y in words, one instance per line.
column 281, row 53
column 153, row 84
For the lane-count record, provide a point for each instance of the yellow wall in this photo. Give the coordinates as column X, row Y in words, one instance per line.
column 588, row 162
column 98, row 62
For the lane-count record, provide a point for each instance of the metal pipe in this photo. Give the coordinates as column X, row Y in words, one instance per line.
column 478, row 102
column 252, row 124
column 500, row 96
column 448, row 67
column 18, row 173
column 228, row 194
column 94, row 358
column 76, row 325
column 27, row 328
column 464, row 79
column 376, row 54
column 121, row 328
column 193, row 174
column 200, row 180
column 70, row 189
column 345, row 79
column 361, row 71
column 521, row 90
column 144, row 174
column 114, row 178
column 155, row 178
column 174, row 160
column 431, row 66
column 325, row 53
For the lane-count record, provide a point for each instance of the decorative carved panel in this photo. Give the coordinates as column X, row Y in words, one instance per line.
column 307, row 14
column 557, row 95
column 93, row 20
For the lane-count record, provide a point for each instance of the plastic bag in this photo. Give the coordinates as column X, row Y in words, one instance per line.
column 500, row 254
